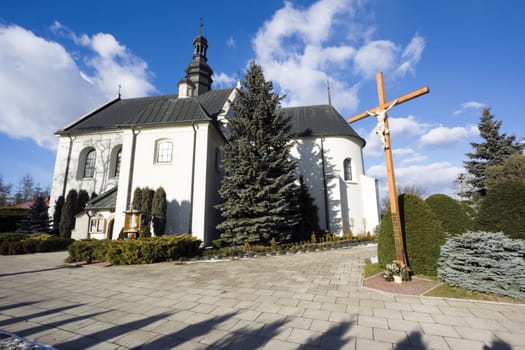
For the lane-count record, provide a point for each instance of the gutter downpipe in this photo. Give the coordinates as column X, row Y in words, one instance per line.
column 325, row 187
column 195, row 127
column 135, row 132
column 67, row 166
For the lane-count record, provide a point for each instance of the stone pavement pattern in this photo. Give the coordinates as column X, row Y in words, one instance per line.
column 303, row 301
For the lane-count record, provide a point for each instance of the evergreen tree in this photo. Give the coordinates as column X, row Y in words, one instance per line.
column 59, row 204
column 494, row 150
column 158, row 211
column 67, row 219
column 82, row 199
column 5, row 191
column 259, row 190
column 137, row 199
column 309, row 220
column 145, row 208
column 513, row 169
column 38, row 216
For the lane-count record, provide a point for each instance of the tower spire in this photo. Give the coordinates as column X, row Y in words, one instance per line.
column 198, row 72
column 329, row 94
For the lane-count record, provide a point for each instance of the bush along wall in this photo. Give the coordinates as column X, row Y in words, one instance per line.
column 484, row 262
column 135, row 251
column 19, row 243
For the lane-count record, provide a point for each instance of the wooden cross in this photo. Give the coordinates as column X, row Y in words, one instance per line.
column 380, row 112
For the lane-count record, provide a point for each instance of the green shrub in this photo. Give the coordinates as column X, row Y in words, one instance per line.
column 135, row 251
column 423, row 235
column 450, row 213
column 503, row 209
column 386, row 250
column 484, row 262
column 16, row 243
column 218, row 243
column 10, row 217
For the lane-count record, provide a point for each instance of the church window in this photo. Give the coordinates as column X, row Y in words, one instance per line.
column 97, row 224
column 89, row 164
column 117, row 162
column 347, row 169
column 164, row 152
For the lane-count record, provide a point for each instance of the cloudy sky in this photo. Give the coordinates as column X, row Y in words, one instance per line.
column 60, row 59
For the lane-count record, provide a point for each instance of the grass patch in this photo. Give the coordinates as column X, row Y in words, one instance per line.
column 372, row 269
column 446, row 291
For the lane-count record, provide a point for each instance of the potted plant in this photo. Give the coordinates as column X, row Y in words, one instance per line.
column 396, row 272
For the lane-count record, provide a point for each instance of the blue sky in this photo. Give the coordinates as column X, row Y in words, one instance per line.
column 60, row 59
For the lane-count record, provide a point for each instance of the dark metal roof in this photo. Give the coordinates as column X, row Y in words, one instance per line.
column 322, row 120
column 107, row 200
column 152, row 110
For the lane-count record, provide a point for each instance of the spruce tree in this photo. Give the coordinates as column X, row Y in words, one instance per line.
column 158, row 211
column 38, row 216
column 494, row 150
column 309, row 222
column 258, row 189
column 59, row 204
column 67, row 219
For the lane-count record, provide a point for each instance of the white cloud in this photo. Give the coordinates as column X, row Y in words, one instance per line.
column 376, row 56
column 230, row 42
column 443, row 136
column 223, row 79
column 411, row 55
column 435, row 177
column 43, row 88
column 477, row 106
column 295, row 51
column 300, row 48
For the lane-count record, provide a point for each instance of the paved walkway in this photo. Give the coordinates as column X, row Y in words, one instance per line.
column 304, row 301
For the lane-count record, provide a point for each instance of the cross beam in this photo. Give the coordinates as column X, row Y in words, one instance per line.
column 394, row 204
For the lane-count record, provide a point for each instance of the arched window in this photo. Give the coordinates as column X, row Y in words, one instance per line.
column 118, row 158
column 164, row 151
column 347, row 169
column 89, row 164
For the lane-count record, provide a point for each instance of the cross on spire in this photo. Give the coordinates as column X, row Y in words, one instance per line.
column 200, row 26
column 382, row 131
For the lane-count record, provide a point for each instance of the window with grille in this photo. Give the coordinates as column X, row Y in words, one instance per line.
column 164, row 152
column 347, row 167
column 89, row 164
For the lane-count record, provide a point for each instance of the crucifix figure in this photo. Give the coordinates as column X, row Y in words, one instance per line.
column 383, row 132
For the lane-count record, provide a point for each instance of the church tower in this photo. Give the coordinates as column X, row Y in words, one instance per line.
column 198, row 72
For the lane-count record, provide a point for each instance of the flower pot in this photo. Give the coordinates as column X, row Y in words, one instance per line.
column 398, row 279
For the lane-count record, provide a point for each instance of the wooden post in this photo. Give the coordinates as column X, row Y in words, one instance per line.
column 394, row 204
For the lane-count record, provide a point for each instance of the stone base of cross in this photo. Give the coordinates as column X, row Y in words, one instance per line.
column 383, row 131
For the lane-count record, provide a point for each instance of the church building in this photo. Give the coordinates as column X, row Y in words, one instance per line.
column 176, row 141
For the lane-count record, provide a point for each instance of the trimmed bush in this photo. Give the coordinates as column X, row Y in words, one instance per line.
column 135, row 251
column 423, row 235
column 450, row 213
column 484, row 262
column 17, row 243
column 503, row 209
column 386, row 250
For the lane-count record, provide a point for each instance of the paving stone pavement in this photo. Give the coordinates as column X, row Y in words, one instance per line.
column 303, row 301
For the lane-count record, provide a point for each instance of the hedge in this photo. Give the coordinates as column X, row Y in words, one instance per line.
column 135, row 251
column 451, row 214
column 484, row 262
column 423, row 235
column 19, row 243
column 10, row 216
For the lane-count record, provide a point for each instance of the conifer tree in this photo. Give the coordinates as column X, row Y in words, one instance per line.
column 59, row 204
column 145, row 208
column 38, row 216
column 258, row 189
column 309, row 222
column 158, row 211
column 67, row 219
column 83, row 198
column 494, row 150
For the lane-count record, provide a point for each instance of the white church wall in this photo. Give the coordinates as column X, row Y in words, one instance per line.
column 348, row 201
column 103, row 143
column 214, row 176
column 175, row 176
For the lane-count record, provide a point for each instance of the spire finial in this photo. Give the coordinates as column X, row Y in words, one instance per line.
column 329, row 94
column 119, row 87
column 201, row 25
